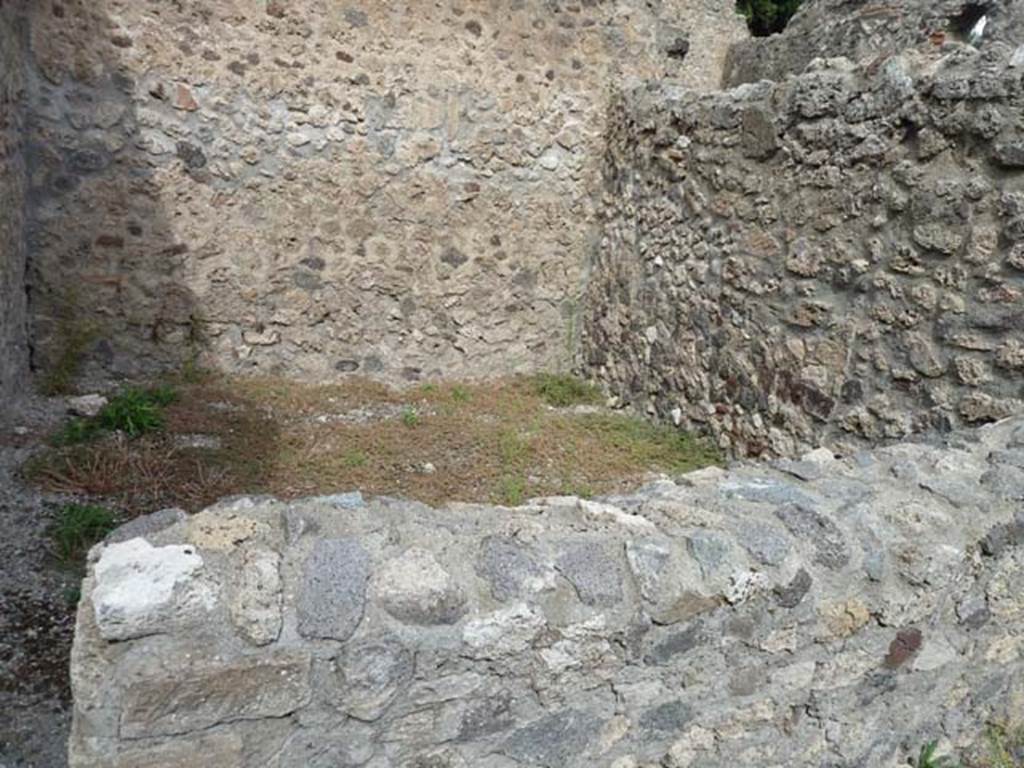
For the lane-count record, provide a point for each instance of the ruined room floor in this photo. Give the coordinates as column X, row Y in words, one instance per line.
column 496, row 441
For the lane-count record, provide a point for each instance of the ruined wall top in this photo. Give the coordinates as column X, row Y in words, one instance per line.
column 862, row 31
column 818, row 612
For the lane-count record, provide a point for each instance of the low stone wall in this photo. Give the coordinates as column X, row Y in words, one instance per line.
column 837, row 257
column 311, row 189
column 864, row 32
column 13, row 311
column 809, row 613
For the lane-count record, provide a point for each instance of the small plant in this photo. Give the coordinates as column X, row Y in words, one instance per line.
column 766, row 17
column 77, row 528
column 73, row 595
column 460, row 394
column 135, row 411
column 429, row 388
column 76, row 431
column 1004, row 747
column 512, row 490
column 132, row 411
column 928, row 759
column 661, row 445
column 192, row 372
column 513, row 448
column 410, row 416
column 563, row 391
column 354, row 459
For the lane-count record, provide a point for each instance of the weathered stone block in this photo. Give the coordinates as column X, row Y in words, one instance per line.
column 415, row 588
column 142, row 590
column 201, row 694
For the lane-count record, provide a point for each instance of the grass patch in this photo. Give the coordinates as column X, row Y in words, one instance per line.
column 512, row 491
column 496, row 441
column 410, row 416
column 1004, row 747
column 78, row 527
column 355, row 459
column 1001, row 747
column 658, row 445
column 135, row 412
column 563, row 391
column 76, row 431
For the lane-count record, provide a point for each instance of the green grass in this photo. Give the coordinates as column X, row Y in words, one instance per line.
column 928, row 759
column 354, row 459
column 78, row 527
column 493, row 441
column 652, row 444
column 132, row 411
column 76, row 431
column 1004, row 747
column 136, row 411
column 563, row 391
column 512, row 490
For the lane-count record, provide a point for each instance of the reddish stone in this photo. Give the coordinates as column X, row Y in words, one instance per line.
column 906, row 643
column 183, row 98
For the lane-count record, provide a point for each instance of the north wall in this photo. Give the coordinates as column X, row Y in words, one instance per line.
column 315, row 188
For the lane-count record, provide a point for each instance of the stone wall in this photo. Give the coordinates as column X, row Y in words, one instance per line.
column 863, row 31
column 825, row 611
column 839, row 256
column 13, row 319
column 312, row 188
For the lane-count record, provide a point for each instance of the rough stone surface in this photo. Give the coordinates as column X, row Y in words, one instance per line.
column 826, row 259
column 141, row 589
column 888, row 612
column 13, row 195
column 318, row 189
column 333, row 592
column 870, row 32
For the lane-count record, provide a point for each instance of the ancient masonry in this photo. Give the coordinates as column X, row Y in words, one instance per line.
column 831, row 251
column 311, row 188
column 810, row 613
column 835, row 256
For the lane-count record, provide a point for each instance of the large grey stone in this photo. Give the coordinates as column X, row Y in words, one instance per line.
column 596, row 574
column 765, row 543
column 143, row 526
column 332, row 596
column 510, row 567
